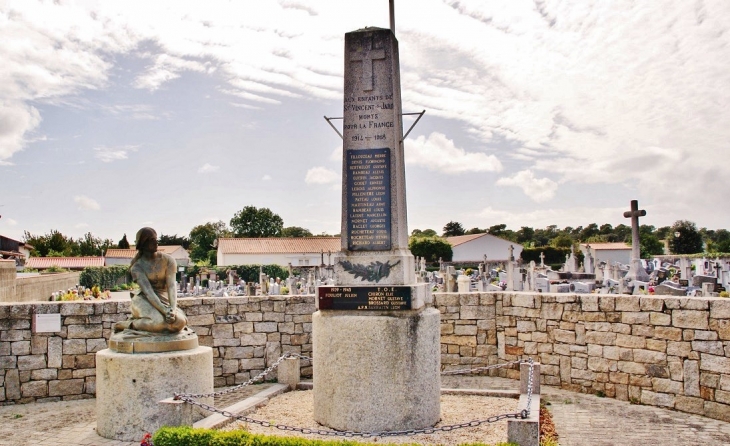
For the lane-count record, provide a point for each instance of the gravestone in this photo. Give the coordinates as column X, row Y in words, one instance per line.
column 636, row 270
column 376, row 336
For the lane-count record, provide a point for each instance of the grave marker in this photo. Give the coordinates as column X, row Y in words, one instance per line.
column 636, row 271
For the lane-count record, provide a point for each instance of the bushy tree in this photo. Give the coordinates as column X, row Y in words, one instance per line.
column 89, row 245
column 295, row 231
column 54, row 241
column 424, row 233
column 684, row 238
column 123, row 243
column 173, row 240
column 431, row 248
column 452, row 229
column 202, row 239
column 253, row 222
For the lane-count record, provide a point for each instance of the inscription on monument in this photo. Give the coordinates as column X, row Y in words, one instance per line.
column 368, row 199
column 364, row 298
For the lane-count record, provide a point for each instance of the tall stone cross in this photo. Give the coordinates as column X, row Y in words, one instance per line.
column 542, row 258
column 636, row 271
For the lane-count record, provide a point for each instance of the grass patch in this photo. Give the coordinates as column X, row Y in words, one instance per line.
column 188, row 436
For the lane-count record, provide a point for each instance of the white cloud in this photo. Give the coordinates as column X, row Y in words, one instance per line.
column 11, row 222
column 439, row 154
column 266, row 178
column 110, row 154
column 81, row 225
column 208, row 168
column 86, row 204
column 321, row 175
column 16, row 121
column 538, row 189
column 542, row 218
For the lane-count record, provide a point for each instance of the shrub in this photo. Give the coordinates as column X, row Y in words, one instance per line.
column 106, row 277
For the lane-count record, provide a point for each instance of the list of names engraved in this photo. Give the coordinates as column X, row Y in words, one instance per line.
column 368, row 199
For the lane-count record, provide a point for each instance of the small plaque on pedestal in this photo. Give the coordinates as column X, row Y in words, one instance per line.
column 373, row 298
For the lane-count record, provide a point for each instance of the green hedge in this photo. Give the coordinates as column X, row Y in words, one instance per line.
column 249, row 273
column 105, row 277
column 188, row 436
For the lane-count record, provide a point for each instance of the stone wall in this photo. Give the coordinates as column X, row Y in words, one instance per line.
column 33, row 288
column 662, row 351
column 7, row 280
column 657, row 350
column 39, row 288
column 246, row 334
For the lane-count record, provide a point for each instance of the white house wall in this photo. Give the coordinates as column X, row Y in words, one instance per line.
column 270, row 259
column 494, row 247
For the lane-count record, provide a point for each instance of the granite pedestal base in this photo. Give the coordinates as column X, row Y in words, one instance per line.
column 129, row 388
column 376, row 371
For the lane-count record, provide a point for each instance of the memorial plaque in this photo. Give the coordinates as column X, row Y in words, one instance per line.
column 46, row 323
column 683, row 282
column 364, row 298
column 368, row 199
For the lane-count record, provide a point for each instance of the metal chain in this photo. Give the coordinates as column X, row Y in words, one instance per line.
column 259, row 377
column 304, row 430
column 481, row 369
column 524, row 413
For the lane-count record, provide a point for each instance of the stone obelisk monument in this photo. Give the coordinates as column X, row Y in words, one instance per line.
column 375, row 335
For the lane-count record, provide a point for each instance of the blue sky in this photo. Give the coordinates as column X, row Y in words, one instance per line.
column 115, row 115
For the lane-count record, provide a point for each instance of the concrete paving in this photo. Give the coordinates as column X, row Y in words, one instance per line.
column 580, row 420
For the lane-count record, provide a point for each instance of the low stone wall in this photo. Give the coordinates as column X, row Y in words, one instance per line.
column 657, row 350
column 39, row 288
column 246, row 334
column 662, row 351
column 7, row 280
column 34, row 288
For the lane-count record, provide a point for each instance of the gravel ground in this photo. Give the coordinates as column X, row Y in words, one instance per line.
column 295, row 409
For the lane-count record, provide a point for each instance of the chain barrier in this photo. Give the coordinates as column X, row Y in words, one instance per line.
column 259, row 377
column 189, row 398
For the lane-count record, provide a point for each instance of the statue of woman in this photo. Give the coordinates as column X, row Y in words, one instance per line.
column 154, row 307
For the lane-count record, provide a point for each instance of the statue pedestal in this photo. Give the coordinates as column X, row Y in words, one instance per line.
column 376, row 371
column 129, row 388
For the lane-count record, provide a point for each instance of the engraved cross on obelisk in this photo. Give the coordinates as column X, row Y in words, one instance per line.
column 636, row 271
column 367, row 56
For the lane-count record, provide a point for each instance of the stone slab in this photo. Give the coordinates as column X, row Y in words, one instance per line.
column 526, row 431
column 216, row 421
column 129, row 388
column 375, row 373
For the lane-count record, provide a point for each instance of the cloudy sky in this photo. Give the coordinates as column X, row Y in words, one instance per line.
column 115, row 115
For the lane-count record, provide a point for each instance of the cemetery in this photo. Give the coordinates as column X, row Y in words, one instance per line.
column 352, row 337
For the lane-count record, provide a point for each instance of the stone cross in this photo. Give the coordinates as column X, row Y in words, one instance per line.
column 636, row 272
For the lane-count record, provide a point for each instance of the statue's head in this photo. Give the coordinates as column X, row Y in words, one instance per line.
column 144, row 237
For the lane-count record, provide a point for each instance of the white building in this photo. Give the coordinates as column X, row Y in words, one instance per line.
column 299, row 251
column 124, row 256
column 608, row 252
column 471, row 248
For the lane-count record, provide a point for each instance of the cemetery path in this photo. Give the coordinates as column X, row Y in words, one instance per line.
column 579, row 419
column 582, row 419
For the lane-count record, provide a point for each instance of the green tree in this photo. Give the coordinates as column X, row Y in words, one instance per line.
column 89, row 245
column 497, row 230
column 253, row 222
column 525, row 235
column 295, row 231
column 202, row 240
column 452, row 229
column 684, row 238
column 476, row 231
column 562, row 241
column 61, row 245
column 123, row 243
column 431, row 248
column 424, row 233
column 589, row 231
column 173, row 240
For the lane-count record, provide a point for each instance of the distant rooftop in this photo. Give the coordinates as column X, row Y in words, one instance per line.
column 607, row 246
column 278, row 245
column 63, row 262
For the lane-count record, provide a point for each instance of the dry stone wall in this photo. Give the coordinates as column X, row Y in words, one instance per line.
column 658, row 350
column 662, row 351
